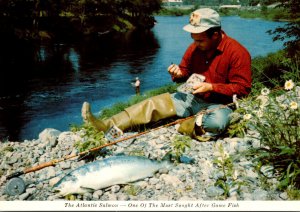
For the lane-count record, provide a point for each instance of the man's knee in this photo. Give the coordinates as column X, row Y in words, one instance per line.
column 217, row 120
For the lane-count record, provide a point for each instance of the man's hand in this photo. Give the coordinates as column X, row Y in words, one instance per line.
column 175, row 71
column 202, row 87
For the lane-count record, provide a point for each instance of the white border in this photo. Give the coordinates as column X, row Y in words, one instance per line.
column 150, row 205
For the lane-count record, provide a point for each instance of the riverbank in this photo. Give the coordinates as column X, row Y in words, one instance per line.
column 270, row 12
column 195, row 181
column 221, row 169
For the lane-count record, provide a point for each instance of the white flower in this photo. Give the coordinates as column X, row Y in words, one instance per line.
column 259, row 113
column 226, row 155
column 293, row 105
column 265, row 91
column 235, row 101
column 283, row 106
column 247, row 116
column 220, row 159
column 264, row 100
column 235, row 175
column 288, row 85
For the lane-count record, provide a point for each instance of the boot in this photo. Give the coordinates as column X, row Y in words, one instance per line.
column 190, row 128
column 152, row 109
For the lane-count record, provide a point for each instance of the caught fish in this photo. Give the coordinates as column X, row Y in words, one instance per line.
column 107, row 172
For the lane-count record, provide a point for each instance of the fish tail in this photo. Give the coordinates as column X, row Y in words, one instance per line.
column 168, row 157
column 168, row 160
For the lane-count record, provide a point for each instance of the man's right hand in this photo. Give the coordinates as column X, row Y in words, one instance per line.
column 175, row 71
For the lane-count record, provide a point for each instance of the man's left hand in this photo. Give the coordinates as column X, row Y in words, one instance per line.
column 202, row 87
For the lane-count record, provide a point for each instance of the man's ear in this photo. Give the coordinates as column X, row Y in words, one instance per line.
column 216, row 35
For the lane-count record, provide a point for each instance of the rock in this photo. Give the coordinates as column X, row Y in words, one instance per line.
column 123, row 197
column 153, row 181
column 260, row 194
column 24, row 196
column 115, row 188
column 284, row 196
column 65, row 164
column 50, row 172
column 97, row 194
column 267, row 170
column 30, row 190
column 172, row 180
column 87, row 196
column 213, row 191
column 49, row 136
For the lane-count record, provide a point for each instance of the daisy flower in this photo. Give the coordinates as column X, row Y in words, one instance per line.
column 247, row 116
column 235, row 175
column 265, row 91
column 294, row 105
column 283, row 106
column 259, row 113
column 288, row 85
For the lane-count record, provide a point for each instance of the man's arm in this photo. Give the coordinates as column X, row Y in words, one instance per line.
column 239, row 76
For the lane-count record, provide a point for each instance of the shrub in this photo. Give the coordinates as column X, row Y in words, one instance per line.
column 275, row 116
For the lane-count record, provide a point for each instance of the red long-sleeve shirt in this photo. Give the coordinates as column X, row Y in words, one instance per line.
column 229, row 70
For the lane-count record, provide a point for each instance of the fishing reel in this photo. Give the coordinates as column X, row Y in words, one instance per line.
column 15, row 185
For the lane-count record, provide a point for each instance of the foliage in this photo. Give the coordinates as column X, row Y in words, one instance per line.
column 180, row 143
column 51, row 20
column 272, row 70
column 132, row 189
column 91, row 138
column 291, row 31
column 6, row 149
column 229, row 180
column 275, row 116
column 174, row 11
column 274, row 14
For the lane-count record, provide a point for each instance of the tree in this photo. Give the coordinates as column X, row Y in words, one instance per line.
column 290, row 32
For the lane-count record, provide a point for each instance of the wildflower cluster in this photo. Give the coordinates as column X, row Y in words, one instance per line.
column 229, row 180
column 91, row 138
column 275, row 117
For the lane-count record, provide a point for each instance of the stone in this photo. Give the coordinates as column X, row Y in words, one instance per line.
column 213, row 191
column 49, row 136
column 115, row 188
column 50, row 172
column 260, row 194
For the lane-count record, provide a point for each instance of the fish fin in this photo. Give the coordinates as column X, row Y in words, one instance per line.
column 168, row 157
column 120, row 154
column 87, row 189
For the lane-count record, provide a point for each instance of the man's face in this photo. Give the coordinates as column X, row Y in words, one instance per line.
column 203, row 42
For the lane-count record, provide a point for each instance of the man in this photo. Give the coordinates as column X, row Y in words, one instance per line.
column 137, row 86
column 224, row 62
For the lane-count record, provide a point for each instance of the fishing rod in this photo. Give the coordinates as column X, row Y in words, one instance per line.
column 16, row 184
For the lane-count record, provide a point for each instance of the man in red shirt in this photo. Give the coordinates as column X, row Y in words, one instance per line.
column 226, row 67
column 224, row 62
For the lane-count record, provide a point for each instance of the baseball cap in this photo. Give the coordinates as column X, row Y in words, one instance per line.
column 202, row 19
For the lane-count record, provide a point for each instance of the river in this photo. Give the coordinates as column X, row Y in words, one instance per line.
column 52, row 96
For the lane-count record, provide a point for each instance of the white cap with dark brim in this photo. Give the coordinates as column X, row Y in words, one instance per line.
column 203, row 19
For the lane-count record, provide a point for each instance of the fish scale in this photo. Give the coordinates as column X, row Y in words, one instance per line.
column 107, row 172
